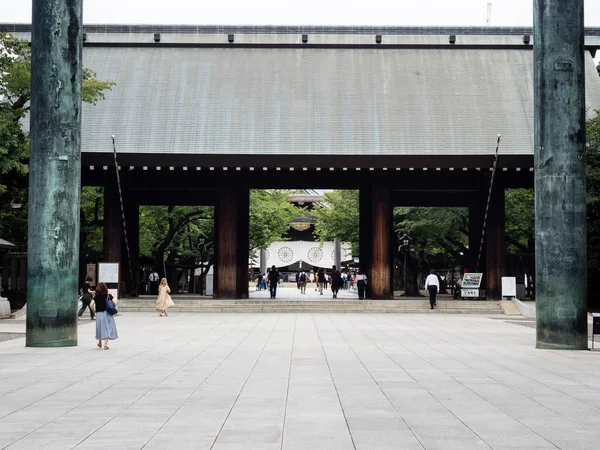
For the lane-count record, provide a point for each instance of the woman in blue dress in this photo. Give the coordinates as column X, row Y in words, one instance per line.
column 106, row 328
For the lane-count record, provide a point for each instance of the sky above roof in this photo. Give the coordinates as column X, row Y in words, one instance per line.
column 305, row 12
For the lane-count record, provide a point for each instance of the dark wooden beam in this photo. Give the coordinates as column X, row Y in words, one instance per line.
column 382, row 238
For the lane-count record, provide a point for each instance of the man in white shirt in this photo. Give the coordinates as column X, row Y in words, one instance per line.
column 153, row 278
column 432, row 284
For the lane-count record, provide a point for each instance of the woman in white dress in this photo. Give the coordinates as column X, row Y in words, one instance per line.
column 164, row 299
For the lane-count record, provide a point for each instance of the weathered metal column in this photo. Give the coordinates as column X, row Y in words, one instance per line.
column 560, row 214
column 54, row 173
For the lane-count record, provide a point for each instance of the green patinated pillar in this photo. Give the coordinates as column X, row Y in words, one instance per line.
column 560, row 214
column 55, row 173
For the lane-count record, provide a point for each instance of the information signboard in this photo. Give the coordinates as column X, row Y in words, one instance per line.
column 472, row 280
column 114, row 293
column 469, row 293
column 509, row 287
column 108, row 272
column 90, row 271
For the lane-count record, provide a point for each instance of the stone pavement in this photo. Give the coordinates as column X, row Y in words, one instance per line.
column 301, row 381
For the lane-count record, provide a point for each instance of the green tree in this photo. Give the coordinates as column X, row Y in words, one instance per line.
column 15, row 93
column 520, row 220
column 593, row 206
column 338, row 218
column 270, row 217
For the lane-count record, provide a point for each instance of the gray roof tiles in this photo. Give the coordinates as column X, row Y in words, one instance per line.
column 314, row 101
column 259, row 96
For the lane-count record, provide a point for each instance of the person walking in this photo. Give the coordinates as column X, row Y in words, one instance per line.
column 336, row 281
column 164, row 299
column 264, row 282
column 302, row 282
column 86, row 298
column 432, row 284
column 106, row 328
column 321, row 280
column 361, row 283
column 153, row 278
column 273, row 280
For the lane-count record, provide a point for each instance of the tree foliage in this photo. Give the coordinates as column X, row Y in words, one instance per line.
column 15, row 93
column 338, row 218
column 520, row 220
column 593, row 200
column 173, row 232
column 270, row 217
column 440, row 233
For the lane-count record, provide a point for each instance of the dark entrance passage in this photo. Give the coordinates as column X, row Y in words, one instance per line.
column 380, row 189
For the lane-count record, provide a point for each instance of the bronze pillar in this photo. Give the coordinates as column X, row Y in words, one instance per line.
column 226, row 231
column 381, row 270
column 54, row 173
column 560, row 164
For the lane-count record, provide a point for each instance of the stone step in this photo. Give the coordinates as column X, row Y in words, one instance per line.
column 376, row 306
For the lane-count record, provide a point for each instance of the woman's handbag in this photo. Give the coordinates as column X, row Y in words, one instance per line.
column 110, row 306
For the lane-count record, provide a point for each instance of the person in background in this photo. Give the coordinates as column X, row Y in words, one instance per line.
column 106, row 328
column 432, row 284
column 336, row 281
column 264, row 282
column 302, row 282
column 259, row 279
column 457, row 288
column 273, row 280
column 321, row 280
column 153, row 278
column 86, row 298
column 361, row 283
column 164, row 299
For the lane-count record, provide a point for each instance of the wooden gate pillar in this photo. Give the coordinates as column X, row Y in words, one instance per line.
column 495, row 245
column 476, row 215
column 132, row 221
column 365, row 244
column 243, row 245
column 226, row 234
column 113, row 229
column 381, row 269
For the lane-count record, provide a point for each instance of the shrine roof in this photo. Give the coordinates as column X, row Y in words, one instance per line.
column 263, row 91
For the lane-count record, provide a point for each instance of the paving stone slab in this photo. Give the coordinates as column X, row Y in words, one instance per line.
column 300, row 381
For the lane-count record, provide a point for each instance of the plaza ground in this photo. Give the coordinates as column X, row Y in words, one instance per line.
column 300, row 381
